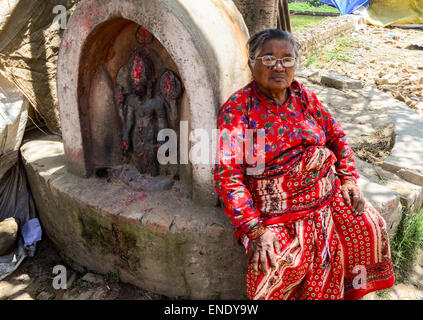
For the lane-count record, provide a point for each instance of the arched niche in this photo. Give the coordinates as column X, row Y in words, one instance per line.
column 203, row 42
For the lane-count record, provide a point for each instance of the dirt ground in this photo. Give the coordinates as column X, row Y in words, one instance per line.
column 33, row 280
column 390, row 59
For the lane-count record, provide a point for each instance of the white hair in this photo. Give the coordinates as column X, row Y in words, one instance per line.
column 256, row 42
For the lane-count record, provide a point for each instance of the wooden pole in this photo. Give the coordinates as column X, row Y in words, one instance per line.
column 284, row 21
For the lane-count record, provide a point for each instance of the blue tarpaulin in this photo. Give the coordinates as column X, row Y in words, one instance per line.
column 345, row 6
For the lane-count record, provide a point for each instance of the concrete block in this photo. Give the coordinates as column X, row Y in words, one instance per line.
column 412, row 176
column 411, row 195
column 310, row 74
column 385, row 200
column 340, row 82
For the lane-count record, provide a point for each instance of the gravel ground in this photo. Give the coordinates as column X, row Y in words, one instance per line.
column 390, row 59
column 33, row 280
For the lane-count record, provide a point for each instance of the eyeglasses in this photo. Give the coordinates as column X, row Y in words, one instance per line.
column 271, row 61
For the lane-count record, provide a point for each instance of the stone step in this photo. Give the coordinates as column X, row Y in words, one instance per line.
column 384, row 200
column 405, row 158
column 411, row 195
column 340, row 82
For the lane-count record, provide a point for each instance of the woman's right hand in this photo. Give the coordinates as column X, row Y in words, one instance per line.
column 351, row 191
column 263, row 249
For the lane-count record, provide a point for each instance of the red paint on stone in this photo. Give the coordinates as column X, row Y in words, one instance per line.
column 120, row 97
column 72, row 154
column 138, row 70
column 168, row 85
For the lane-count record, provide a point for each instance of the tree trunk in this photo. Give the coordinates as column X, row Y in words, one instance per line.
column 258, row 14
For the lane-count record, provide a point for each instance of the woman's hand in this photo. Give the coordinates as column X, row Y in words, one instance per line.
column 350, row 191
column 263, row 248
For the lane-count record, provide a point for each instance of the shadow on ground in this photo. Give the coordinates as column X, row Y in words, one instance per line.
column 33, row 280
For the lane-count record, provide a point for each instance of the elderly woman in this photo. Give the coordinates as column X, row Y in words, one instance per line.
column 303, row 220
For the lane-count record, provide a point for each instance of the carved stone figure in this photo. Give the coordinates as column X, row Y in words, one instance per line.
column 150, row 118
column 146, row 106
column 170, row 89
column 133, row 82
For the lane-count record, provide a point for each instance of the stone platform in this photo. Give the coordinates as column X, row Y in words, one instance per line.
column 160, row 241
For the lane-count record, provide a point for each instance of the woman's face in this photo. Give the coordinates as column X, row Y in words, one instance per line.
column 277, row 78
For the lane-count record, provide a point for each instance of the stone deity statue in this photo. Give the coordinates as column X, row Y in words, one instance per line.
column 144, row 114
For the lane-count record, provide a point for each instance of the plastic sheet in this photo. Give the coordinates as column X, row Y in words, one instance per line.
column 16, row 201
column 15, row 197
column 346, row 6
column 383, row 13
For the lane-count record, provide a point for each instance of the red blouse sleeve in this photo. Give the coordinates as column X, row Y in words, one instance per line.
column 336, row 139
column 235, row 198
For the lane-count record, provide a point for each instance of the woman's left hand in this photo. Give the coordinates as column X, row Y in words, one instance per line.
column 354, row 197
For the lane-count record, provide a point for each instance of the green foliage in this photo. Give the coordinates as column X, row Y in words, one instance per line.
column 384, row 294
column 311, row 59
column 215, row 296
column 347, row 42
column 340, row 51
column 112, row 277
column 335, row 54
column 315, row 3
column 299, row 22
column 405, row 243
column 308, row 7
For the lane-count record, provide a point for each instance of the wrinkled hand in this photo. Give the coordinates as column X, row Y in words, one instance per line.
column 263, row 249
column 353, row 194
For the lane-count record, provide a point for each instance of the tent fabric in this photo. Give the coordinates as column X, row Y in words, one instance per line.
column 383, row 13
column 346, row 6
column 16, row 201
column 13, row 119
column 30, row 38
column 15, row 197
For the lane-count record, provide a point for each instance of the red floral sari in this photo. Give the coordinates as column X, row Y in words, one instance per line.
column 327, row 251
column 324, row 245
